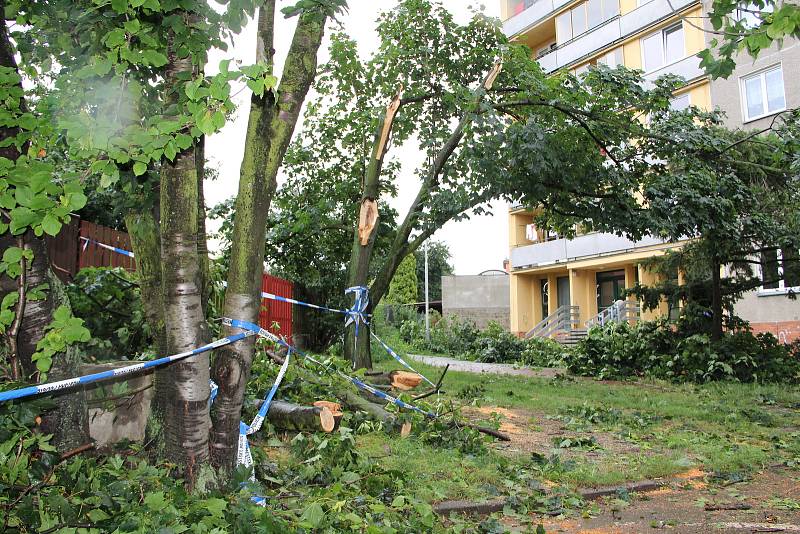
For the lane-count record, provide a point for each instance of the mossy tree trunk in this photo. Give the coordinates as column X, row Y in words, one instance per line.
column 270, row 127
column 68, row 422
column 185, row 411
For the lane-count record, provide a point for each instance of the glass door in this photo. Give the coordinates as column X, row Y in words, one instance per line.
column 563, row 291
column 610, row 287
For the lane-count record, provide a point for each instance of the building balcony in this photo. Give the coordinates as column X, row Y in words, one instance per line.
column 580, row 247
column 611, row 32
column 687, row 68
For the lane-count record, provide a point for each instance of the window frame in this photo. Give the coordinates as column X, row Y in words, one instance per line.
column 782, row 288
column 662, row 33
column 762, row 75
column 688, row 96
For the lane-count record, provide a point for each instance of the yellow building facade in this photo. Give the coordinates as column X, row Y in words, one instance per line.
column 585, row 275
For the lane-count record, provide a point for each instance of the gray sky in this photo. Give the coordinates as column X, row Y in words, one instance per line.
column 478, row 244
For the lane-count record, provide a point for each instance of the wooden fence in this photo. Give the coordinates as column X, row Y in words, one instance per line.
column 69, row 254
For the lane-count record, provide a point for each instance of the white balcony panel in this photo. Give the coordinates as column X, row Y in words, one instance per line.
column 687, row 68
column 549, row 62
column 647, row 14
column 563, row 250
column 528, row 17
column 589, row 42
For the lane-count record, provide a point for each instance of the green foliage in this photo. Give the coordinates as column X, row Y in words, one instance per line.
column 750, row 27
column 403, row 288
column 461, row 339
column 63, row 331
column 659, row 350
column 108, row 301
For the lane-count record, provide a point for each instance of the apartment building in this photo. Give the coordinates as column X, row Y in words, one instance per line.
column 560, row 285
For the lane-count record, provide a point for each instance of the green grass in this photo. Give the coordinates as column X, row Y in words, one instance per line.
column 723, row 428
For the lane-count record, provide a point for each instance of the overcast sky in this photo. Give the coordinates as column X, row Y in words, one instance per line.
column 476, row 245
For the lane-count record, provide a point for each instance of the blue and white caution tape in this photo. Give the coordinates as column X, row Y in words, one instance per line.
column 104, row 375
column 385, row 396
column 356, row 314
column 214, row 388
column 400, row 360
column 124, row 252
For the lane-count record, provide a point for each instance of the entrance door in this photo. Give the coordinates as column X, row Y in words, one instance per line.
column 610, row 286
column 544, row 293
column 563, row 291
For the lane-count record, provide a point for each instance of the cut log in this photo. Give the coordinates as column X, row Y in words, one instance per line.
column 402, row 380
column 335, row 408
column 355, row 402
column 288, row 416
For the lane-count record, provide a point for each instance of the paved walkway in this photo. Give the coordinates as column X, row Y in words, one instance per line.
column 492, row 368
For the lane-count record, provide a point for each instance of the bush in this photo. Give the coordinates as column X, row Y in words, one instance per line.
column 674, row 352
column 107, row 299
column 462, row 339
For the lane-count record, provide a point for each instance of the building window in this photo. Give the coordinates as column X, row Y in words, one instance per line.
column 750, row 14
column 663, row 47
column 612, row 59
column 518, row 6
column 680, row 102
column 780, row 271
column 762, row 93
column 584, row 17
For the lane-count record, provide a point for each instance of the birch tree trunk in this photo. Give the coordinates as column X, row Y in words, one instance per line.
column 270, row 127
column 185, row 411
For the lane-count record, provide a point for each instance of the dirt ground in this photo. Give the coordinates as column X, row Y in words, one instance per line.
column 767, row 501
column 681, row 507
column 535, row 432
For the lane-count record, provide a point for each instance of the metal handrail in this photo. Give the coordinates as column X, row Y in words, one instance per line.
column 620, row 312
column 565, row 318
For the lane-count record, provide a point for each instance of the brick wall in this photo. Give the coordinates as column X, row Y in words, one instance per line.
column 785, row 331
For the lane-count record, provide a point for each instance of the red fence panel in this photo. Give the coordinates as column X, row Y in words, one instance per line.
column 63, row 250
column 276, row 316
column 93, row 256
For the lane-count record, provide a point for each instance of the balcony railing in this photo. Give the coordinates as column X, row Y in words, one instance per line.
column 622, row 311
column 582, row 246
column 565, row 319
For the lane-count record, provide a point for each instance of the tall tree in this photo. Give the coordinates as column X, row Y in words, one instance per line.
column 403, row 289
column 273, row 117
column 35, row 319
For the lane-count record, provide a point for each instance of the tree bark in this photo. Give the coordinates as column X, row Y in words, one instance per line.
column 68, row 422
column 357, row 350
column 204, row 270
column 185, row 417
column 269, row 131
column 401, row 246
column 146, row 243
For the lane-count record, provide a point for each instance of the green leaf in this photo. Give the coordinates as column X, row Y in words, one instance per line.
column 12, row 255
column 120, row 6
column 312, row 515
column 155, row 58
column 51, row 225
column 139, row 168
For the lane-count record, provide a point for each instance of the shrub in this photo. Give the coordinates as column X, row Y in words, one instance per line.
column 676, row 352
column 107, row 299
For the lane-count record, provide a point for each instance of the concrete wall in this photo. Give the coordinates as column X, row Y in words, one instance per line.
column 774, row 313
column 727, row 94
column 116, row 415
column 479, row 299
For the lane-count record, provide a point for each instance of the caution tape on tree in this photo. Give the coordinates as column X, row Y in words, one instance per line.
column 50, row 387
column 124, row 252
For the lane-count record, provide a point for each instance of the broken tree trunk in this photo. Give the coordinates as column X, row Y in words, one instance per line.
column 288, row 416
column 402, row 380
column 335, row 408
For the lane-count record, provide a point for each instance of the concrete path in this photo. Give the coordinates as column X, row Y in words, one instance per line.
column 491, row 368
